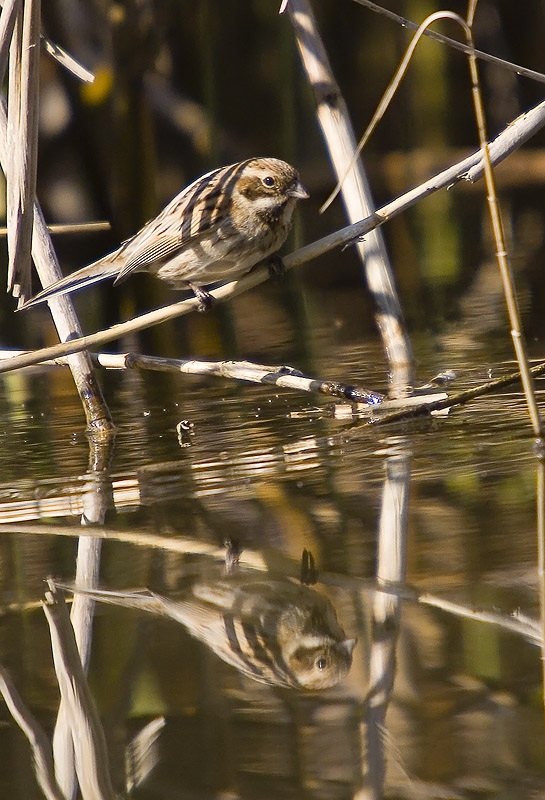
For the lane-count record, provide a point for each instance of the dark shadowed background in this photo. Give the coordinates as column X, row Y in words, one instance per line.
column 182, row 87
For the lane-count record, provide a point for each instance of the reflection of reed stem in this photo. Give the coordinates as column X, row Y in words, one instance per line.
column 96, row 499
column 391, row 568
column 81, row 716
column 42, row 756
column 81, row 615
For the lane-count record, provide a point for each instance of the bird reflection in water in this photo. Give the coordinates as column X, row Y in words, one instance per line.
column 277, row 631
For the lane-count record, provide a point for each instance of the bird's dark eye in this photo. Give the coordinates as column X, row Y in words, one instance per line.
column 321, row 664
column 269, row 181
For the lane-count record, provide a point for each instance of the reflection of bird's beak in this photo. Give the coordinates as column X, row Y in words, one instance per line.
column 348, row 645
column 298, row 191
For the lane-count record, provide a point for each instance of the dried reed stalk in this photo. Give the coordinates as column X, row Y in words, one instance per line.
column 20, row 35
column 22, row 156
column 339, row 136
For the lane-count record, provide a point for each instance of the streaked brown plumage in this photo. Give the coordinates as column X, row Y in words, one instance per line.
column 273, row 630
column 216, row 229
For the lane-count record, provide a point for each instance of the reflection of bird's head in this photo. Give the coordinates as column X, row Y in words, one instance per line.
column 313, row 651
column 273, row 630
column 318, row 663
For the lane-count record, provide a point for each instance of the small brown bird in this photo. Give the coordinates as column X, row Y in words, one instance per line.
column 216, row 229
column 273, row 630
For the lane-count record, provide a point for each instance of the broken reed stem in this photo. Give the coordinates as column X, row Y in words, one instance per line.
column 381, row 410
column 22, row 153
column 13, row 164
column 23, row 157
column 514, row 135
column 282, row 375
column 20, row 36
column 98, row 417
column 456, row 399
column 7, row 23
column 67, row 61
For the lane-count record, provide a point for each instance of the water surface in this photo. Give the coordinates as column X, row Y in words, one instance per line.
column 278, row 472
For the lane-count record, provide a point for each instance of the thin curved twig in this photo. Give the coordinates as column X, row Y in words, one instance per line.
column 464, row 48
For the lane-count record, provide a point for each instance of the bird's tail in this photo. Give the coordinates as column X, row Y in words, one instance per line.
column 100, row 270
column 142, row 599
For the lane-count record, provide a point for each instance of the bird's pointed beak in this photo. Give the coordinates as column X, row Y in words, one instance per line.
column 298, row 191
